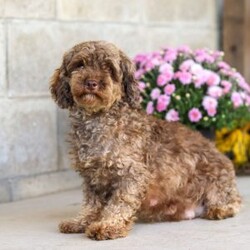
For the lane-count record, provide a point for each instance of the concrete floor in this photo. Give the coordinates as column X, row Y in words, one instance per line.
column 32, row 224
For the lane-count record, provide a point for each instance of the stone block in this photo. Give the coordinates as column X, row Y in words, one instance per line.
column 127, row 37
column 198, row 37
column 27, row 8
column 36, row 49
column 99, row 10
column 200, row 13
column 161, row 11
column 1, row 7
column 159, row 37
column 131, row 39
column 34, row 186
column 63, row 125
column 72, row 33
column 28, row 137
column 2, row 61
column 5, row 195
column 32, row 51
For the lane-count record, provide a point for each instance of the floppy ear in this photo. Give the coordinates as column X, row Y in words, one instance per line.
column 129, row 82
column 59, row 85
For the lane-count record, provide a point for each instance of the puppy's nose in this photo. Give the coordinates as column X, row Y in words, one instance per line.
column 91, row 84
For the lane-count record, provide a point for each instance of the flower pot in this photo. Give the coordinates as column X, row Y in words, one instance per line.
column 208, row 133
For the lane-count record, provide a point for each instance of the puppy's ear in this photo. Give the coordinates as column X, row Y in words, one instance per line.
column 59, row 85
column 129, row 82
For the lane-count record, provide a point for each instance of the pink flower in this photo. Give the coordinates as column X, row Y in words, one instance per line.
column 200, row 75
column 170, row 55
column 186, row 65
column 184, row 49
column 236, row 99
column 200, row 55
column 227, row 86
column 184, row 77
column 139, row 73
column 169, row 89
column 141, row 86
column 223, row 65
column 165, row 67
column 165, row 76
column 194, row 115
column 247, row 100
column 196, row 69
column 162, row 80
column 156, row 61
column 155, row 54
column 242, row 83
column 162, row 103
column 209, row 103
column 149, row 65
column 172, row 116
column 155, row 93
column 150, row 108
column 217, row 54
column 238, row 76
column 215, row 91
column 200, row 78
column 210, row 59
column 227, row 72
column 213, row 78
column 155, row 57
column 198, row 82
column 140, row 58
column 203, row 55
column 243, row 95
column 211, row 111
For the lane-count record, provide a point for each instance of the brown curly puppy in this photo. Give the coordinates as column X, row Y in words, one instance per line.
column 134, row 166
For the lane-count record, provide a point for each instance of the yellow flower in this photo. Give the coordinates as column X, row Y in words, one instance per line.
column 235, row 143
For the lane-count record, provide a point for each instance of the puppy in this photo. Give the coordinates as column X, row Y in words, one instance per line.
column 134, row 165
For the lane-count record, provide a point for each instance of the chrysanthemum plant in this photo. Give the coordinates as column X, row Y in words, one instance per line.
column 196, row 88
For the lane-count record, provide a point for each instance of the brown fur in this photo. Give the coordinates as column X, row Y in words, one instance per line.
column 134, row 166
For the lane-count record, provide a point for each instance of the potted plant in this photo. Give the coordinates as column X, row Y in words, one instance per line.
column 196, row 88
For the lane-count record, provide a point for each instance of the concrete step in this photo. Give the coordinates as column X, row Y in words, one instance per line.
column 32, row 224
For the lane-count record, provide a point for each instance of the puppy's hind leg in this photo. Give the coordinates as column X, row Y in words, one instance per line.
column 222, row 199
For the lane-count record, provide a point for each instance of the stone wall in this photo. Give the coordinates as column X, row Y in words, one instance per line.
column 33, row 36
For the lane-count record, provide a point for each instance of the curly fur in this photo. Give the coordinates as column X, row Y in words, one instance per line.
column 134, row 166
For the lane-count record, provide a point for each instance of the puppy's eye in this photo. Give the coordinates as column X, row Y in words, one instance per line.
column 77, row 67
column 80, row 66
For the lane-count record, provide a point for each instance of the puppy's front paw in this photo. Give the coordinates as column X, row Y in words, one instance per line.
column 106, row 230
column 71, row 226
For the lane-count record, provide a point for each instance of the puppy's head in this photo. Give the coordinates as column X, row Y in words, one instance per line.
column 93, row 76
